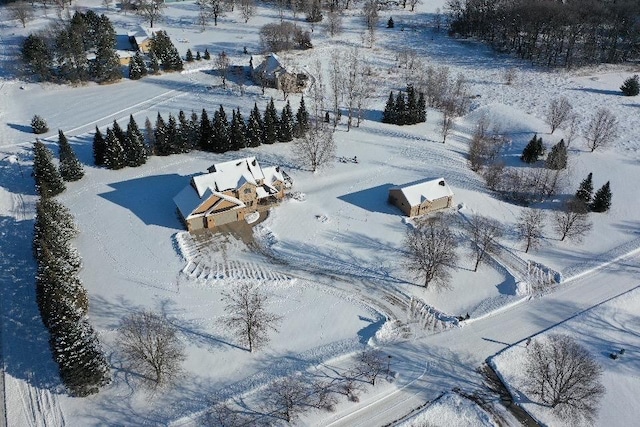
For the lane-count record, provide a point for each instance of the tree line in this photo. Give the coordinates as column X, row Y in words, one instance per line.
column 119, row 148
column 553, row 33
column 61, row 297
column 61, row 52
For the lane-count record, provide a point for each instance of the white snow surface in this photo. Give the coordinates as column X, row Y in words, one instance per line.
column 331, row 256
column 602, row 330
column 451, row 410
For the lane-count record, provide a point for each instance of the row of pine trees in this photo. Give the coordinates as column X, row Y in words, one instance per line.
column 119, row 148
column 409, row 110
column 556, row 159
column 61, row 297
column 600, row 201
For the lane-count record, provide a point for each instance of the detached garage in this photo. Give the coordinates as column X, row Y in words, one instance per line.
column 422, row 197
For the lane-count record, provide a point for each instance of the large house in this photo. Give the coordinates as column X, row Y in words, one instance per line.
column 422, row 197
column 270, row 72
column 229, row 192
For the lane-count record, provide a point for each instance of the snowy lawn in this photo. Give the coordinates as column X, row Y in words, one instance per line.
column 338, row 267
column 451, row 410
column 603, row 330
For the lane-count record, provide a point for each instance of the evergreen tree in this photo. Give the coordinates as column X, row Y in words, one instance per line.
column 390, row 23
column 285, row 128
column 255, row 128
column 98, row 148
column 106, row 66
column 49, row 183
column 270, row 124
column 557, row 158
column 422, row 108
column 533, row 150
column 238, row 131
column 38, row 56
column 114, row 155
column 194, row 130
column 207, row 55
column 154, row 63
column 401, row 109
column 83, row 366
column 137, row 152
column 184, row 133
column 150, row 136
column 206, row 132
column 198, row 57
column 118, row 132
column 189, row 56
column 631, row 86
column 602, row 199
column 173, row 142
column 70, row 167
column 389, row 113
column 302, row 120
column 39, row 125
column 137, row 67
column 412, row 110
column 164, row 49
column 585, row 191
column 221, row 132
column 160, row 135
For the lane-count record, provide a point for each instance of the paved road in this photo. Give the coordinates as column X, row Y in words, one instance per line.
column 440, row 362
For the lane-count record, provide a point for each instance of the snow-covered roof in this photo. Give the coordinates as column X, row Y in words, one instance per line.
column 229, row 175
column 272, row 174
column 271, row 66
column 430, row 189
column 188, row 201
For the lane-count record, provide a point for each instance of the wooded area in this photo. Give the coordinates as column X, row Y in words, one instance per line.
column 565, row 33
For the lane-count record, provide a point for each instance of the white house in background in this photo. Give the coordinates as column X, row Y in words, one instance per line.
column 230, row 191
column 421, row 197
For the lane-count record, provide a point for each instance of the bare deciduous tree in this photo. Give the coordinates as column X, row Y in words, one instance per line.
column 318, row 91
column 562, row 374
column 151, row 10
column 484, row 233
column 530, row 226
column 248, row 318
column 21, row 11
column 222, row 65
column 510, row 76
column 286, row 398
column 414, row 3
column 559, row 112
column 337, row 83
column 601, row 130
column 370, row 364
column 447, row 120
column 152, row 346
column 247, row 9
column 572, row 221
column 334, row 24
column 573, row 128
column 431, row 248
column 316, row 148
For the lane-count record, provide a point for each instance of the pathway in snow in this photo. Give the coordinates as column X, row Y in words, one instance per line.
column 479, row 340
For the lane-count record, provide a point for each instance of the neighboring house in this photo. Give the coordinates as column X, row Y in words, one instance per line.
column 141, row 39
column 230, row 191
column 422, row 197
column 271, row 73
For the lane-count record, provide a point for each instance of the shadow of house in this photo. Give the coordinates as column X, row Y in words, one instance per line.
column 149, row 198
column 372, row 199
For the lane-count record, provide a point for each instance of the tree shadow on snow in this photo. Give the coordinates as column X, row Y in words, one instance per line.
column 150, row 198
column 28, row 357
column 21, row 128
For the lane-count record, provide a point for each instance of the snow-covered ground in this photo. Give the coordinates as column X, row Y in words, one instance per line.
column 603, row 330
column 331, row 262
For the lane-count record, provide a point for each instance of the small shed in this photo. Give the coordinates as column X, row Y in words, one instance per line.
column 422, row 197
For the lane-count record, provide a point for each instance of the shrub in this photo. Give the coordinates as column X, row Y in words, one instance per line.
column 39, row 125
column 631, row 86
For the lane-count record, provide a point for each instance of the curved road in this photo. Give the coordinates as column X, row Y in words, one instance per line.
column 451, row 358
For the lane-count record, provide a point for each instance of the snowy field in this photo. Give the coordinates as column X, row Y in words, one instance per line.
column 332, row 263
column 603, row 330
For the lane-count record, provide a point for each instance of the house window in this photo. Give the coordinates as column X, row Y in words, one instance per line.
column 247, row 191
